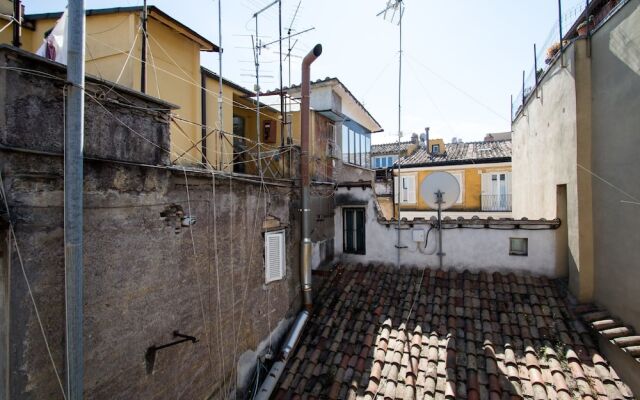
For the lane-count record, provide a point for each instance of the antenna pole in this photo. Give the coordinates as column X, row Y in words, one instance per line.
column 143, row 62
column 282, row 114
column 399, row 244
column 220, row 134
column 73, row 209
column 439, row 201
column 257, row 60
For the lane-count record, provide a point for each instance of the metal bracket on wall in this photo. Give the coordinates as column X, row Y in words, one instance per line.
column 150, row 355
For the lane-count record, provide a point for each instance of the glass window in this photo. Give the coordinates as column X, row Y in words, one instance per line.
column 518, row 246
column 435, row 148
column 352, row 146
column 367, row 154
column 353, row 230
column 345, row 144
column 378, row 162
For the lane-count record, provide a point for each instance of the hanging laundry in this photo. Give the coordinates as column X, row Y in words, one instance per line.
column 53, row 46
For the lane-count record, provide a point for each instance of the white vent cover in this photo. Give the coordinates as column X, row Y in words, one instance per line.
column 274, row 256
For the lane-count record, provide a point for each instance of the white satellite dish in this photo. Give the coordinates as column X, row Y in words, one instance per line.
column 443, row 183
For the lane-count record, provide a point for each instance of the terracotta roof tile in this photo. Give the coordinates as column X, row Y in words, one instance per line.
column 451, row 335
column 462, row 153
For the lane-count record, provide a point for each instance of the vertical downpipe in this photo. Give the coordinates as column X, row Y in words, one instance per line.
column 305, row 248
column 73, row 179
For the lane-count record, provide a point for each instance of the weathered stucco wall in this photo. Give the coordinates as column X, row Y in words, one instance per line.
column 476, row 249
column 551, row 138
column 615, row 118
column 145, row 274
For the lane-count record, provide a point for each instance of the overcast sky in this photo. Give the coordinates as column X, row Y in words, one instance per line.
column 462, row 58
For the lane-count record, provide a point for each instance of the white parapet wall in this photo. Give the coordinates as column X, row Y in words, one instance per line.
column 469, row 244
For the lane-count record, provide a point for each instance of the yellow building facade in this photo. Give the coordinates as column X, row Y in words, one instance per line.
column 173, row 73
column 482, row 169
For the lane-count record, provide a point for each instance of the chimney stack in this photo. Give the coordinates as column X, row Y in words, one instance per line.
column 426, row 131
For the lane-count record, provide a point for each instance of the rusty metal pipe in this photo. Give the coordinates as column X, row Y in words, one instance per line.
column 305, row 246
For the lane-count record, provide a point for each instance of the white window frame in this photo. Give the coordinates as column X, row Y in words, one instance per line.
column 459, row 175
column 411, row 196
column 273, row 273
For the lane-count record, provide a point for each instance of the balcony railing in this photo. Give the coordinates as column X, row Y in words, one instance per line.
column 501, row 202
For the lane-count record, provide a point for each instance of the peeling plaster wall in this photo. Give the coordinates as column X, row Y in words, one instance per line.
column 475, row 249
column 145, row 275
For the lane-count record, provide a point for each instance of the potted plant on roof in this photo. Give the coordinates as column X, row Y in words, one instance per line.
column 551, row 52
column 583, row 28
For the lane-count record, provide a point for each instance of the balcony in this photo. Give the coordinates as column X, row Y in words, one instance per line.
column 501, row 202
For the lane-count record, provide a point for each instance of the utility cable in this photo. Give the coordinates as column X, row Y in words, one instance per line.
column 26, row 280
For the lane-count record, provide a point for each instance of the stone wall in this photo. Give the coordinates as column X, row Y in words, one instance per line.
column 146, row 273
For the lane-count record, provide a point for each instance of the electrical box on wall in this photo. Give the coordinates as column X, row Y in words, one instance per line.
column 418, row 235
column 269, row 131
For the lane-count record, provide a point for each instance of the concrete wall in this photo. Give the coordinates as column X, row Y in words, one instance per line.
column 615, row 118
column 474, row 249
column 145, row 275
column 550, row 139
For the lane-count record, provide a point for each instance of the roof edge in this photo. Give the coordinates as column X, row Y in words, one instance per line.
column 205, row 44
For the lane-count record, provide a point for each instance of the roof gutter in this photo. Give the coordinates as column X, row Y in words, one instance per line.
column 459, row 162
column 270, row 382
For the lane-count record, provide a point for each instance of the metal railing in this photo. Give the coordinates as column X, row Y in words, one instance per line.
column 500, row 202
column 545, row 52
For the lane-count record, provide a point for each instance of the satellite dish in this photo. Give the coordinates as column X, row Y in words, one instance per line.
column 442, row 182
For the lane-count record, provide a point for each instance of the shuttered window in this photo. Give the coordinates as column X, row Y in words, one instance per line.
column 274, row 256
column 407, row 189
column 353, row 230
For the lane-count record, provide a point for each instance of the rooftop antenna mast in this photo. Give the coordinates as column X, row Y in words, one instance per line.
column 221, row 161
column 257, row 46
column 396, row 8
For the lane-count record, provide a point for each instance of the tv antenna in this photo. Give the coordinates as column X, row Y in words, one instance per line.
column 393, row 8
column 440, row 190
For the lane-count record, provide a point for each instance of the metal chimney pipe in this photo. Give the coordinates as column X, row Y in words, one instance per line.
column 305, row 246
column 270, row 382
column 426, row 131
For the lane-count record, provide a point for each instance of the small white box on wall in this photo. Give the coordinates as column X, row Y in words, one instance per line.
column 418, row 235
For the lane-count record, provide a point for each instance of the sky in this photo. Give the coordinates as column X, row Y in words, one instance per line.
column 462, row 59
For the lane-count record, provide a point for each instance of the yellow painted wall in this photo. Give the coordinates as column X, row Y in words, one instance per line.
column 173, row 74
column 219, row 150
column 472, row 186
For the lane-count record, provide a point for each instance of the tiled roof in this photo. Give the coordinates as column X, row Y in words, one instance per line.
column 384, row 333
column 389, row 148
column 462, row 153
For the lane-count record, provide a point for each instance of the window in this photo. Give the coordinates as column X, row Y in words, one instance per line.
column 274, row 256
column 459, row 175
column 496, row 191
column 407, row 189
column 389, row 161
column 353, row 230
column 518, row 246
column 345, row 144
column 435, row 148
column 378, row 162
column 356, row 147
